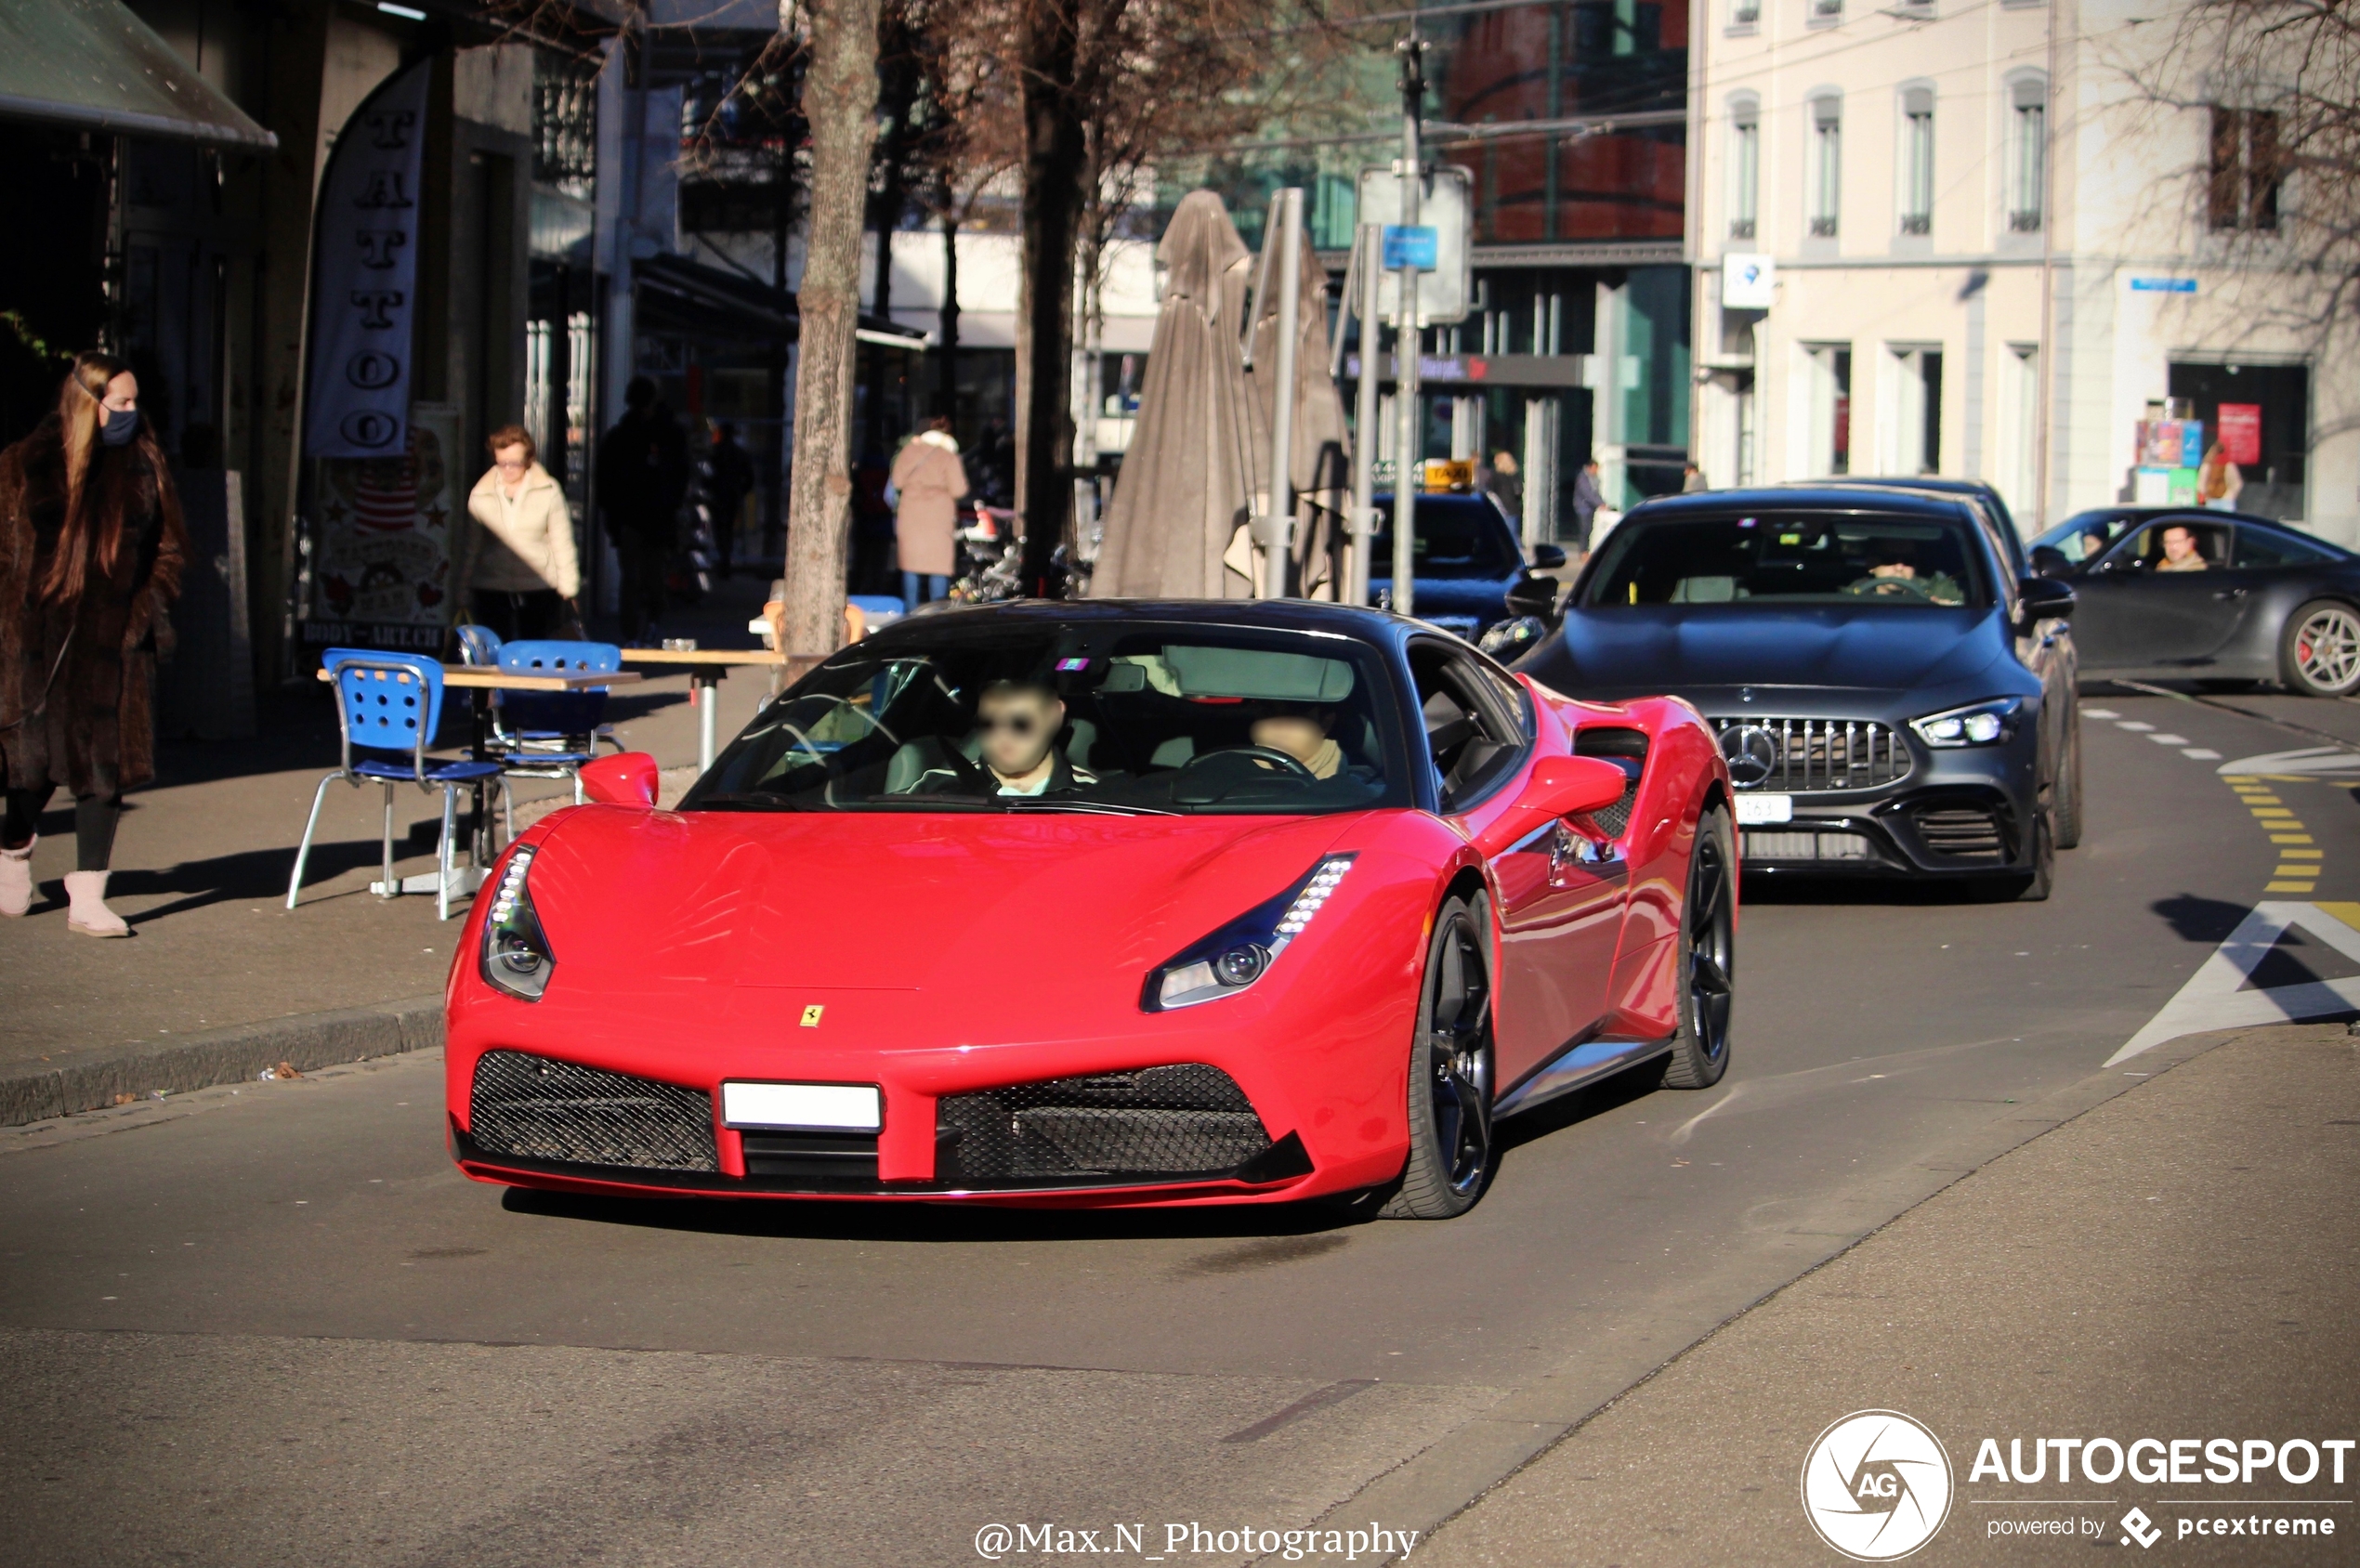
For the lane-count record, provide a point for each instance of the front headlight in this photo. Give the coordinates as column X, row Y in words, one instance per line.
column 1978, row 723
column 1242, row 952
column 516, row 956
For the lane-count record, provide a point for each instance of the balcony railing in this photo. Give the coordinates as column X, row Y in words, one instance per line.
column 2023, row 223
column 1741, row 228
column 1823, row 228
column 1917, row 223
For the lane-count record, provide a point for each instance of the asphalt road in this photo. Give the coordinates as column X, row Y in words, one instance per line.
column 272, row 1326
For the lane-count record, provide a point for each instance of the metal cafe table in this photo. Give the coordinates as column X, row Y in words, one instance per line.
column 705, row 666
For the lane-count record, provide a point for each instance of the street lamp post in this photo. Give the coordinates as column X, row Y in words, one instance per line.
column 1363, row 526
column 1410, row 446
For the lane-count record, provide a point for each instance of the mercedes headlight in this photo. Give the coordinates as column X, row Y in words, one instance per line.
column 1979, row 724
column 516, row 956
column 1242, row 951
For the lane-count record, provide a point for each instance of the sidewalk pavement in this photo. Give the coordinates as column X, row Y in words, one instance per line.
column 220, row 979
column 2181, row 1261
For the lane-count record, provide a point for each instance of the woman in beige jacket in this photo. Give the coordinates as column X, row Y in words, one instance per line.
column 928, row 479
column 519, row 568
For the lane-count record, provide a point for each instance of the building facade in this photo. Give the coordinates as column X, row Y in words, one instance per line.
column 1980, row 240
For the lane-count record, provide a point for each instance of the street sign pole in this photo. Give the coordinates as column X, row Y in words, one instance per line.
column 1364, row 425
column 1278, row 548
column 1409, row 445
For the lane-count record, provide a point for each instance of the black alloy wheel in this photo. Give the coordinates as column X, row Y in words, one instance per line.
column 2068, row 786
column 1708, row 958
column 1451, row 1065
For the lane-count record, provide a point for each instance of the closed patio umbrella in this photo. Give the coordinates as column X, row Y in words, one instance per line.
column 1321, row 446
column 1184, row 486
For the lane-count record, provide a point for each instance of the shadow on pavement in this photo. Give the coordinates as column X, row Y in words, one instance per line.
column 2194, row 919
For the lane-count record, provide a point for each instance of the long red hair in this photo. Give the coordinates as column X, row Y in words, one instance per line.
column 92, row 534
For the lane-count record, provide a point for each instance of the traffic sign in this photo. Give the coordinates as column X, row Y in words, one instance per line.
column 1446, row 209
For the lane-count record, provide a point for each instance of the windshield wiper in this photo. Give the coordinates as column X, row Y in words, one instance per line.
column 756, row 800
column 979, row 802
column 1093, row 808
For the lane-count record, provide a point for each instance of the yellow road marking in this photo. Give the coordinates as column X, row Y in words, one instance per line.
column 2259, row 799
column 2302, row 855
column 2289, row 838
column 2296, row 871
column 2289, row 887
column 2347, row 913
column 2270, row 811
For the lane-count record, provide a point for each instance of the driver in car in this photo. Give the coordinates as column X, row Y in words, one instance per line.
column 1016, row 726
column 1894, row 568
column 1301, row 731
column 2180, row 552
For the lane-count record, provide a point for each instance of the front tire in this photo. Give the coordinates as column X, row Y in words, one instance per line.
column 2068, row 788
column 1451, row 1062
column 1708, row 958
column 2319, row 649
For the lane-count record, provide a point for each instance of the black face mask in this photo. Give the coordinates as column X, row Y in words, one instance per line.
column 121, row 424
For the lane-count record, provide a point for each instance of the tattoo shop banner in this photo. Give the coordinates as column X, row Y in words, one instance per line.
column 357, row 386
column 381, row 563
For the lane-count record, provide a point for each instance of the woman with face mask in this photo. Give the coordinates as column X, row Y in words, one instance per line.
column 90, row 551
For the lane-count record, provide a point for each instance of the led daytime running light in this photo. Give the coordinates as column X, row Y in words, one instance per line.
column 1240, row 953
column 516, row 957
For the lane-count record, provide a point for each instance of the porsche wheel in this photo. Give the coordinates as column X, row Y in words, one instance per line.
column 2319, row 650
column 1450, row 1073
column 1708, row 958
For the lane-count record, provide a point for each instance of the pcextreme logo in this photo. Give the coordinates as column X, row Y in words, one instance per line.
column 1876, row 1486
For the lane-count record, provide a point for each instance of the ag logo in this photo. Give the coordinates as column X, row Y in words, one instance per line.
column 1876, row 1486
column 1752, row 752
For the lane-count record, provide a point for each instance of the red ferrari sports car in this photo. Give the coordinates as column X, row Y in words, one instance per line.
column 1104, row 903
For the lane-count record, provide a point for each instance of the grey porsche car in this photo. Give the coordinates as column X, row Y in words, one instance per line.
column 2218, row 597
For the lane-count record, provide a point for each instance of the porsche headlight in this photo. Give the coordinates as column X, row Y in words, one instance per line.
column 1979, row 724
column 516, row 956
column 1242, row 952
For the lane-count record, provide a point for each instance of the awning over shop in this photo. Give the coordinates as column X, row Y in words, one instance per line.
column 677, row 294
column 92, row 65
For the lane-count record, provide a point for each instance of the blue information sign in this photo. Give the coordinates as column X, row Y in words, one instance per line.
column 1410, row 245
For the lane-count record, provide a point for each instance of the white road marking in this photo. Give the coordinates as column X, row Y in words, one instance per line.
column 2309, row 758
column 2202, row 754
column 2168, row 740
column 2100, row 714
column 2136, row 727
column 2211, row 998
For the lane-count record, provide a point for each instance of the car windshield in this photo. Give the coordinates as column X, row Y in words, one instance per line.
column 1458, row 536
column 967, row 712
column 1789, row 557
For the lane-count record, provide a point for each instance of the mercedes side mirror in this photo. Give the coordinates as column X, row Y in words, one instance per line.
column 629, row 779
column 2050, row 561
column 1548, row 557
column 2045, row 598
column 1558, row 787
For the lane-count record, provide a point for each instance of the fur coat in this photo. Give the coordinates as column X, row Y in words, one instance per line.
column 77, row 680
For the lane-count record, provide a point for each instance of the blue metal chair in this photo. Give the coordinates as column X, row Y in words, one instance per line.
column 552, row 734
column 479, row 648
column 391, row 704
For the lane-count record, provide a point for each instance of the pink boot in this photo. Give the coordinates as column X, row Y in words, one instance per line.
column 16, row 878
column 87, row 894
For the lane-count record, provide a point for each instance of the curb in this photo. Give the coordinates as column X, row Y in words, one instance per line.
column 87, row 1080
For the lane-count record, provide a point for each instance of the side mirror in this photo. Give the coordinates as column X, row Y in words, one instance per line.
column 2045, row 598
column 629, row 779
column 1548, row 557
column 1558, row 787
column 2050, row 561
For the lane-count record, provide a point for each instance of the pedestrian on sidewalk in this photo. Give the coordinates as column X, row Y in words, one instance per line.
column 729, row 481
column 928, row 480
column 518, row 561
column 642, row 476
column 90, row 551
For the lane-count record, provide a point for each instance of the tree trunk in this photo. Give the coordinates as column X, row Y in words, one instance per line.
column 1055, row 153
column 946, row 394
column 839, row 102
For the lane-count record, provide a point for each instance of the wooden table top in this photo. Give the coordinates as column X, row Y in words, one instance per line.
column 484, row 677
column 702, row 656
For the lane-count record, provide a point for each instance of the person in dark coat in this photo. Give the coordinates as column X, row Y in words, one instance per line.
column 729, row 481
column 642, row 476
column 91, row 546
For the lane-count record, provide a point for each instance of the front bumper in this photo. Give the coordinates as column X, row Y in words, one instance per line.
column 1936, row 832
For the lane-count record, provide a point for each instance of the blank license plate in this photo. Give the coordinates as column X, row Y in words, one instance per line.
column 1765, row 808
column 839, row 1107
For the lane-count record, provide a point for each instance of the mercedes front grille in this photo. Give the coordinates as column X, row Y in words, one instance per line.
column 1805, row 756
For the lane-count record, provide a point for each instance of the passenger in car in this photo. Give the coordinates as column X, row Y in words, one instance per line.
column 1301, row 731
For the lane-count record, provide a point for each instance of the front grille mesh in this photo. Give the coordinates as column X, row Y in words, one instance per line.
column 1787, row 845
column 537, row 1107
column 1185, row 1120
column 1964, row 832
column 1818, row 754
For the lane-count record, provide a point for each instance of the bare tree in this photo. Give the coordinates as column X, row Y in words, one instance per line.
column 839, row 102
column 2278, row 188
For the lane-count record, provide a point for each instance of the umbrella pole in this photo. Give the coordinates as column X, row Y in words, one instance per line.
column 1278, row 541
column 1364, row 423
